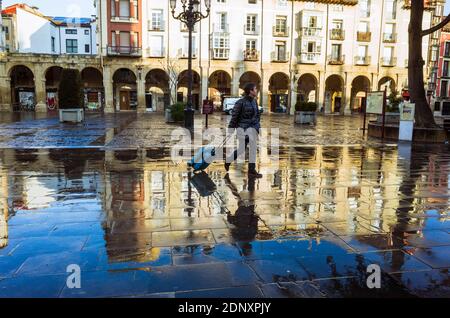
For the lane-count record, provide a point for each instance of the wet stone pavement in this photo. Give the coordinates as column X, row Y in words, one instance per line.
column 105, row 195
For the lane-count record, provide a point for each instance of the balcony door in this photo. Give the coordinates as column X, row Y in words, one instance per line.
column 125, row 45
column 336, row 52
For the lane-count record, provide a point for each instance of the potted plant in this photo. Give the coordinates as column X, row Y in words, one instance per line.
column 176, row 113
column 71, row 99
column 305, row 112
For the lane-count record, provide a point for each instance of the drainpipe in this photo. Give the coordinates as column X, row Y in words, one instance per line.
column 261, row 59
column 292, row 54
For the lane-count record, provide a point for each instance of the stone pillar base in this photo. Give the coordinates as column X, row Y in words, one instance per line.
column 108, row 110
column 5, row 108
column 41, row 108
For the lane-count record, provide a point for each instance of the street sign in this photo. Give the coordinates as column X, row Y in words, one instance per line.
column 407, row 111
column 208, row 107
column 375, row 103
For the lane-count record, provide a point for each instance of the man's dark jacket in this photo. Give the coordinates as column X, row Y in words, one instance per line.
column 245, row 114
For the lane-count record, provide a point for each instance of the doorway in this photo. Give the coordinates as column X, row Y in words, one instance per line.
column 124, row 100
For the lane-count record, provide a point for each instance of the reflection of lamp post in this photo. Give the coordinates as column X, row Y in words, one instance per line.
column 190, row 15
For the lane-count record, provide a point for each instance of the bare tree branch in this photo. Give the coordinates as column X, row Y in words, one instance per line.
column 437, row 26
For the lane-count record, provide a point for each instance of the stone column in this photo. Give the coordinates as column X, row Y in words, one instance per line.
column 204, row 90
column 5, row 94
column 141, row 95
column 109, row 91
column 235, row 75
column 347, row 98
column 292, row 95
column 40, row 90
column 321, row 88
column 264, row 101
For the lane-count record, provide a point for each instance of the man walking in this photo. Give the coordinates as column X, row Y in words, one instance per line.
column 246, row 118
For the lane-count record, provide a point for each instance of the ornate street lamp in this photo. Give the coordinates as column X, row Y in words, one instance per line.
column 190, row 15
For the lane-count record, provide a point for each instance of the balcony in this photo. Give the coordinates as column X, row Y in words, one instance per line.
column 184, row 28
column 124, row 51
column 220, row 53
column 388, row 61
column 281, row 58
column 251, row 29
column 389, row 37
column 311, row 31
column 337, row 34
column 362, row 60
column 336, row 60
column 308, row 57
column 183, row 54
column 251, row 55
column 127, row 19
column 277, row 31
column 363, row 36
column 159, row 28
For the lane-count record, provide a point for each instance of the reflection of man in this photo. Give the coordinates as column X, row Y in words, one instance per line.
column 244, row 219
column 246, row 117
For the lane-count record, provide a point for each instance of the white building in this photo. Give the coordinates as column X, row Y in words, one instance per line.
column 328, row 51
column 29, row 31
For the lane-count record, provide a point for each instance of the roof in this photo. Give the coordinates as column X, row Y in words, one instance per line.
column 61, row 21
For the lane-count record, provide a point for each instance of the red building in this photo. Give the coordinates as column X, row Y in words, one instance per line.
column 442, row 101
column 124, row 27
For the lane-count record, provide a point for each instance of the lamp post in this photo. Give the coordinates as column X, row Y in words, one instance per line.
column 190, row 15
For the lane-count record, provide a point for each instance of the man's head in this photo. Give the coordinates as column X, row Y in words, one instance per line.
column 251, row 90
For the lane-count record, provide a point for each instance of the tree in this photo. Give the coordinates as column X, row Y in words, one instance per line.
column 70, row 93
column 423, row 115
column 173, row 69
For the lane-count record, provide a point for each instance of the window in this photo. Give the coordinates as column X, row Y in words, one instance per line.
column 86, row 48
column 221, row 47
column 337, row 24
column 186, row 46
column 71, row 46
column 362, row 53
column 250, row 44
column 223, row 21
column 364, row 6
column 312, row 22
column 434, row 53
column 444, row 88
column 124, row 38
column 336, row 52
column 388, row 53
column 113, row 8
column 113, row 39
column 157, row 20
column 311, row 47
column 445, row 70
column 363, row 27
column 391, row 9
column 250, row 26
column 280, row 51
column 86, row 32
column 71, row 31
column 124, row 7
column 53, row 44
column 156, row 46
column 447, row 49
column 281, row 24
column 282, row 3
column 135, row 10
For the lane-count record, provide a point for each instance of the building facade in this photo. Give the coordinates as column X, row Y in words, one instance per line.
column 27, row 30
column 327, row 51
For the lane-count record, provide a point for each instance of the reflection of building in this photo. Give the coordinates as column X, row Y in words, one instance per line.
column 442, row 100
column 3, row 207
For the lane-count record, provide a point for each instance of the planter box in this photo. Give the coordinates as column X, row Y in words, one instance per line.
column 73, row 115
column 305, row 117
column 168, row 116
column 389, row 118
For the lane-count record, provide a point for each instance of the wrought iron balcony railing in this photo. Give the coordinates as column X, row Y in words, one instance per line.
column 388, row 61
column 251, row 55
column 124, row 51
column 362, row 60
column 277, row 31
column 336, row 60
column 389, row 37
column 337, row 34
column 363, row 36
column 279, row 57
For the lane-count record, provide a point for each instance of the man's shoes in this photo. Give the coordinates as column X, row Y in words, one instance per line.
column 254, row 174
column 227, row 166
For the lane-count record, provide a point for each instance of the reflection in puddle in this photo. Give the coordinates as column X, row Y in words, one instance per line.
column 136, row 209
